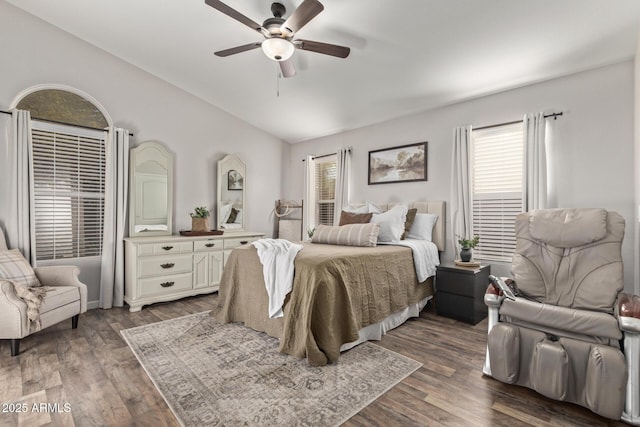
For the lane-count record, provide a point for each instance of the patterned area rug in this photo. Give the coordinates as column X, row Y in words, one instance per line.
column 227, row 374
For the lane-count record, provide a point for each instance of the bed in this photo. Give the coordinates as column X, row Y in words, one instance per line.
column 341, row 295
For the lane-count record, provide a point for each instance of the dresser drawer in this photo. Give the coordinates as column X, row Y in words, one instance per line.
column 164, row 248
column 165, row 284
column 238, row 241
column 165, row 265
column 208, row 245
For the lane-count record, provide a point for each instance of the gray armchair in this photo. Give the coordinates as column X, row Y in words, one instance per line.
column 562, row 326
column 68, row 300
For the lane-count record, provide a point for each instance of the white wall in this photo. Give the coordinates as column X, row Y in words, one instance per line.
column 34, row 52
column 591, row 154
column 637, row 171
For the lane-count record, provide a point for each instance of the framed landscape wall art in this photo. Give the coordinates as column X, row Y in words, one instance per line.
column 404, row 163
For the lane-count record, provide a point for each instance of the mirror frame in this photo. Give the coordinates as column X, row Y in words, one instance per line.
column 150, row 149
column 226, row 164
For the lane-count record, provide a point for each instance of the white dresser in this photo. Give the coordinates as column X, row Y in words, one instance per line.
column 166, row 268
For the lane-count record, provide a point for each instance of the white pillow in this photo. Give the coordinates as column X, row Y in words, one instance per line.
column 360, row 210
column 238, row 217
column 373, row 208
column 225, row 211
column 422, row 227
column 391, row 223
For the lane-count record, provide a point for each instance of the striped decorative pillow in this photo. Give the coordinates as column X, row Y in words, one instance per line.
column 347, row 235
column 15, row 268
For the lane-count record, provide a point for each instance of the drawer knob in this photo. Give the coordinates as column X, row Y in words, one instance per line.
column 244, row 242
column 167, row 284
column 167, row 248
column 210, row 245
column 167, row 265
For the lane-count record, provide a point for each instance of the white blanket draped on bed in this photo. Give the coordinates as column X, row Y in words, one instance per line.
column 425, row 256
column 277, row 257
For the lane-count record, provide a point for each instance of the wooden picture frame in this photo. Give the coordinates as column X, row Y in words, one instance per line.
column 404, row 163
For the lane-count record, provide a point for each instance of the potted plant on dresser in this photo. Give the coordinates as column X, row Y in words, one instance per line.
column 200, row 219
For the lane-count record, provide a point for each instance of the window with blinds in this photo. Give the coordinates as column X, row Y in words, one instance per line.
column 497, row 180
column 68, row 191
column 325, row 189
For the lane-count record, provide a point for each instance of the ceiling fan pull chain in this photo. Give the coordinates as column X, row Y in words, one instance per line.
column 278, row 75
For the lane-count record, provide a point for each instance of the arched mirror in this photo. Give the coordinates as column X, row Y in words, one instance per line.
column 151, row 190
column 231, row 203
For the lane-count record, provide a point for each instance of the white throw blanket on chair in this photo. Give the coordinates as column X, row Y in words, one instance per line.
column 277, row 257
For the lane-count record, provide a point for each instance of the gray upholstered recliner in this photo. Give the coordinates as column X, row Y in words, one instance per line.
column 569, row 333
column 67, row 302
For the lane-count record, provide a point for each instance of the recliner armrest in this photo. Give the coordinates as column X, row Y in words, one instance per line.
column 628, row 312
column 493, row 296
column 63, row 275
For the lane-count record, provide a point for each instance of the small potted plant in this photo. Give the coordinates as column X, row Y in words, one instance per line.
column 465, row 247
column 310, row 232
column 200, row 219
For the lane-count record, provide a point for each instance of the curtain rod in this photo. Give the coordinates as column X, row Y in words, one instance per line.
column 326, row 155
column 63, row 123
column 546, row 116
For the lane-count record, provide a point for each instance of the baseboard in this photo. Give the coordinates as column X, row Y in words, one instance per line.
column 93, row 304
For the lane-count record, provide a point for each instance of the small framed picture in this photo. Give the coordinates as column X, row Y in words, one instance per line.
column 234, row 180
column 404, row 163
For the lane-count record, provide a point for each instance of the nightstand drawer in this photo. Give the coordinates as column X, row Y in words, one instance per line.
column 454, row 283
column 455, row 306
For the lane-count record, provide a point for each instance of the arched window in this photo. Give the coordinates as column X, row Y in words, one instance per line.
column 68, row 163
column 62, row 106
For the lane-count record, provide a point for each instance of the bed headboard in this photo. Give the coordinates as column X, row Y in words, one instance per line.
column 437, row 208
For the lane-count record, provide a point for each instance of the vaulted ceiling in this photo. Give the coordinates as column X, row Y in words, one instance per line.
column 406, row 55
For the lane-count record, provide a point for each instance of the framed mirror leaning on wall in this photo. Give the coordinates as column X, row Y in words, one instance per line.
column 150, row 190
column 231, row 197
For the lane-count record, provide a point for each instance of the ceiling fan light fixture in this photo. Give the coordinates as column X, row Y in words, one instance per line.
column 278, row 49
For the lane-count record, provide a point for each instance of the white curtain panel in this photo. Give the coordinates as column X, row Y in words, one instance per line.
column 535, row 162
column 115, row 212
column 461, row 196
column 15, row 164
column 343, row 182
column 309, row 205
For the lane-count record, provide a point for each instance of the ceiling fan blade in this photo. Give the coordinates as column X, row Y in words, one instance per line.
column 325, row 48
column 237, row 49
column 287, row 68
column 229, row 11
column 301, row 16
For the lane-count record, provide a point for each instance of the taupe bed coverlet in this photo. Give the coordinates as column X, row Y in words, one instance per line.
column 337, row 290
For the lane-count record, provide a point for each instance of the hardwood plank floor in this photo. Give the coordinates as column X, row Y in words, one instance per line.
column 93, row 371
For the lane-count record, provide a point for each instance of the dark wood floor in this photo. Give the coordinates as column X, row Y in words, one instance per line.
column 93, row 371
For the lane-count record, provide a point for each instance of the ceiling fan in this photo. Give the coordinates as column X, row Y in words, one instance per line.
column 279, row 43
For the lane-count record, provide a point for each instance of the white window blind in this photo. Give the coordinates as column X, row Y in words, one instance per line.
column 68, row 191
column 497, row 160
column 325, row 189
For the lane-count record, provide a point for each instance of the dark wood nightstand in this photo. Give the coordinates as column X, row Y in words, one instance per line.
column 460, row 292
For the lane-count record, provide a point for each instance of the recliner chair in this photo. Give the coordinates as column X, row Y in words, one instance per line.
column 562, row 326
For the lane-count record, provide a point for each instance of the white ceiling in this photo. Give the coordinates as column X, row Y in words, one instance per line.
column 406, row 55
